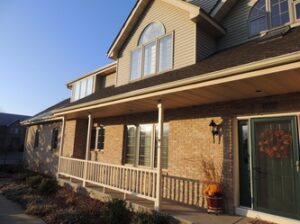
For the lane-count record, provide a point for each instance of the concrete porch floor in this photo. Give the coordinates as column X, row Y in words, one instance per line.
column 184, row 213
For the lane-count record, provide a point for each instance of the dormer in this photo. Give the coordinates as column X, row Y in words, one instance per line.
column 162, row 35
column 93, row 82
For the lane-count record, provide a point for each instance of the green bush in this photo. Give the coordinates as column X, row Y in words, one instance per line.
column 48, row 186
column 34, row 181
column 116, row 212
column 152, row 218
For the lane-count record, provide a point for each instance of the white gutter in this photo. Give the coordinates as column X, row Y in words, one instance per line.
column 46, row 120
column 95, row 72
column 238, row 70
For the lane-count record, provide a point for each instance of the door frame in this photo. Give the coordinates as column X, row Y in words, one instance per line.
column 251, row 212
column 294, row 127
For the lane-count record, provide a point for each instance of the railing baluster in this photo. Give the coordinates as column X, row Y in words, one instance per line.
column 126, row 179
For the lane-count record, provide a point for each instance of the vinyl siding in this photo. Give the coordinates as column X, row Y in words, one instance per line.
column 109, row 80
column 175, row 20
column 207, row 5
column 206, row 45
column 236, row 24
column 105, row 81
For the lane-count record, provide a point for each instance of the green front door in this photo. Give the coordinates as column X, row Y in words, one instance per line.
column 275, row 154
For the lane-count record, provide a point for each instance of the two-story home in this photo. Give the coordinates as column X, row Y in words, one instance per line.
column 200, row 91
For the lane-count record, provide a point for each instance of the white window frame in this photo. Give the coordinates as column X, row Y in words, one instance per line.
column 292, row 15
column 295, row 2
column 137, row 146
column 79, row 83
column 142, row 47
column 96, row 138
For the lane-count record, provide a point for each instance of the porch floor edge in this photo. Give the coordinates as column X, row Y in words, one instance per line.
column 185, row 214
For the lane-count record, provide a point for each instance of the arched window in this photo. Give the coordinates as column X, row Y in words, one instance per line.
column 151, row 32
column 258, row 18
column 267, row 14
column 154, row 52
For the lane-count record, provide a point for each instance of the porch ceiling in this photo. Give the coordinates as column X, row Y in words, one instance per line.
column 237, row 87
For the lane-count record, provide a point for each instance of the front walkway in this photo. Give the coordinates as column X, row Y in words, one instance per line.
column 11, row 213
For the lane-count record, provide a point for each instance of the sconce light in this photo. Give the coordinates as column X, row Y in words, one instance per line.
column 214, row 129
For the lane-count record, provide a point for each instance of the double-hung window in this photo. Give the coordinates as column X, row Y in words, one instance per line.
column 154, row 53
column 100, row 137
column 82, row 88
column 141, row 145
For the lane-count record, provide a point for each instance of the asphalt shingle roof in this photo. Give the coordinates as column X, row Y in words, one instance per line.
column 48, row 113
column 249, row 52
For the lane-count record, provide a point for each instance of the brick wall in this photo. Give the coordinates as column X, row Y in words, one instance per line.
column 74, row 143
column 69, row 138
column 192, row 152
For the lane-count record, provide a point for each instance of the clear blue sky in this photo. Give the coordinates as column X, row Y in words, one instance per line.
column 46, row 43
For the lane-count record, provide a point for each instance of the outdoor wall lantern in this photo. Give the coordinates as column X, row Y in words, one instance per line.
column 214, row 129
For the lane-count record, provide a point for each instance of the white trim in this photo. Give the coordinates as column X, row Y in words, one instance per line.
column 142, row 47
column 269, row 115
column 62, row 133
column 264, row 216
column 250, row 212
column 98, row 71
column 295, row 2
column 157, row 204
column 251, row 70
column 97, row 137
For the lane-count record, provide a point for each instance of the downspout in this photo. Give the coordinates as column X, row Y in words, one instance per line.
column 61, row 145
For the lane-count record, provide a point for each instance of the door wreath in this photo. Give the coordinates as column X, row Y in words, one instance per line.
column 275, row 143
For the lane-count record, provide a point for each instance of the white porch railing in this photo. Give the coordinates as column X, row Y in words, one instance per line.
column 71, row 167
column 130, row 180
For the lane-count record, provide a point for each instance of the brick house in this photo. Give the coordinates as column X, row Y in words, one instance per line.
column 143, row 124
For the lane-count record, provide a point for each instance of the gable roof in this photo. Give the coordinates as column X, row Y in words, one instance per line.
column 204, row 4
column 221, row 9
column 140, row 7
column 8, row 119
column 234, row 58
column 47, row 114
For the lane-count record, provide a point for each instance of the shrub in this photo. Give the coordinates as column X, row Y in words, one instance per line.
column 70, row 216
column 40, row 209
column 34, row 181
column 19, row 193
column 116, row 212
column 48, row 186
column 153, row 218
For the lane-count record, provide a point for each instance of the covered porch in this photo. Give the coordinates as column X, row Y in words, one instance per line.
column 156, row 184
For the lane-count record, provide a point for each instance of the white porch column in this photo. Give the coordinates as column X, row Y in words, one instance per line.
column 88, row 146
column 157, row 204
column 62, row 135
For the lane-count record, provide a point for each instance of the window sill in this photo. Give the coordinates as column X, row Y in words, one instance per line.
column 150, row 76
